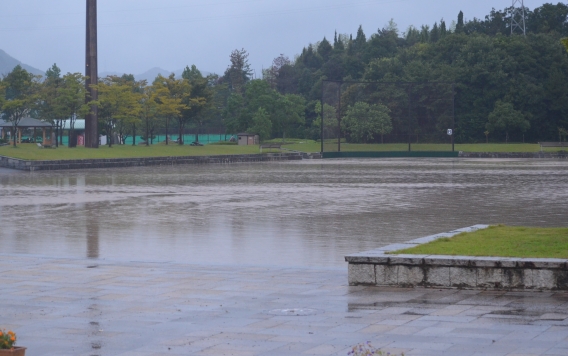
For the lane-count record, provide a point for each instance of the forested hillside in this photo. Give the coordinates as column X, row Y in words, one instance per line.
column 494, row 71
column 508, row 87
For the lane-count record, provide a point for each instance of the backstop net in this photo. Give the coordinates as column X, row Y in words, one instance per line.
column 387, row 116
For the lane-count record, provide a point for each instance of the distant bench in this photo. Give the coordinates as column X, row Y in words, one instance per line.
column 552, row 144
column 270, row 145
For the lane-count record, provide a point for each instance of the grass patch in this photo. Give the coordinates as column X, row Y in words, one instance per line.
column 30, row 151
column 500, row 241
column 311, row 146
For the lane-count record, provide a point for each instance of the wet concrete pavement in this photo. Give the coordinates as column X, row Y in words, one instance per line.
column 80, row 307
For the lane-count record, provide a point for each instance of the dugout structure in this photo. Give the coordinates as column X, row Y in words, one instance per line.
column 421, row 116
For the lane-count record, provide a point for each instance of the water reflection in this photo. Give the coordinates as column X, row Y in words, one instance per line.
column 308, row 213
column 92, row 227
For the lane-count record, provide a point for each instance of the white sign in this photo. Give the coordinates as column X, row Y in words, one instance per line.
column 450, row 132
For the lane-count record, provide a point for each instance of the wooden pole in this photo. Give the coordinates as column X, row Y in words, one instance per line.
column 91, row 72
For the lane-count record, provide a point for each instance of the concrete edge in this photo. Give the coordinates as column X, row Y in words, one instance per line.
column 378, row 267
column 27, row 165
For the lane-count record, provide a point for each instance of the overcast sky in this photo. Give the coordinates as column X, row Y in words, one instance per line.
column 136, row 35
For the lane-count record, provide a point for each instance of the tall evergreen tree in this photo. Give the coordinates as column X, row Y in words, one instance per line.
column 435, row 33
column 443, row 29
column 325, row 49
column 460, row 24
column 360, row 40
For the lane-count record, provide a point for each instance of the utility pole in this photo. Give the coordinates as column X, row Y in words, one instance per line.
column 92, row 74
column 518, row 17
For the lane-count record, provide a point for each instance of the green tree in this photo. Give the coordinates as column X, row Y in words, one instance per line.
column 325, row 49
column 200, row 98
column 71, row 101
column 149, row 113
column 460, row 24
column 505, row 118
column 261, row 124
column 363, row 121
column 565, row 42
column 329, row 117
column 48, row 107
column 117, row 101
column 288, row 113
column 239, row 72
column 171, row 93
column 20, row 94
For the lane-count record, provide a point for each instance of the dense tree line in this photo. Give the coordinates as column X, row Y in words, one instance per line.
column 126, row 107
column 507, row 86
column 494, row 72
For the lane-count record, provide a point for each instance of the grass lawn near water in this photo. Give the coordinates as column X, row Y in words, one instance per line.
column 500, row 241
column 312, row 146
column 30, row 151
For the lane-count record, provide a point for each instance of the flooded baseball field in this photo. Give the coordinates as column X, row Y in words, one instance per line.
column 303, row 213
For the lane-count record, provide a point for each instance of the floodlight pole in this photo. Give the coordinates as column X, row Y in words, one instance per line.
column 339, row 118
column 322, row 117
column 409, row 116
column 91, row 72
column 453, row 114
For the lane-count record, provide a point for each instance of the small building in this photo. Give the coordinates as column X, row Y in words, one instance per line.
column 78, row 129
column 246, row 139
column 27, row 124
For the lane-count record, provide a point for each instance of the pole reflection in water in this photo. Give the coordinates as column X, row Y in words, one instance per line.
column 92, row 228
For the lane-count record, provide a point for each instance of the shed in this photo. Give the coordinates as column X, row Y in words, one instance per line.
column 25, row 123
column 246, row 139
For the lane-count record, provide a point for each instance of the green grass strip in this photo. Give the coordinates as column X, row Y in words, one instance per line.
column 500, row 241
column 311, row 146
column 30, row 151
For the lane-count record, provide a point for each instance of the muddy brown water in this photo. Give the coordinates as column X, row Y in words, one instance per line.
column 306, row 213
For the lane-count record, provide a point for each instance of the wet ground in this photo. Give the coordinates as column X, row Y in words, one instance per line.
column 308, row 213
column 248, row 259
column 63, row 307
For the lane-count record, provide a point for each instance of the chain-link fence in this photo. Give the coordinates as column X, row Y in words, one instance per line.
column 387, row 116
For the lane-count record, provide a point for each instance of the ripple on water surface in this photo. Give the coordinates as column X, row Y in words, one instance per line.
column 307, row 213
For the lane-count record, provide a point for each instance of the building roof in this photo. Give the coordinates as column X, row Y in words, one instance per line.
column 26, row 122
column 246, row 134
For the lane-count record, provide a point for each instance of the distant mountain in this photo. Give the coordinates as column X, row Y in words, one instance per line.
column 7, row 64
column 151, row 74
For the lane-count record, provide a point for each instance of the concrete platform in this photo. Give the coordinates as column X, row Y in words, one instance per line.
column 92, row 307
column 383, row 268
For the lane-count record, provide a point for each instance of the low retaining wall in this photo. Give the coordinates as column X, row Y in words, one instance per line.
column 445, row 154
column 24, row 165
column 552, row 155
column 378, row 268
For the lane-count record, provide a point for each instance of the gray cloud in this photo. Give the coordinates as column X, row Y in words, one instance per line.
column 136, row 35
